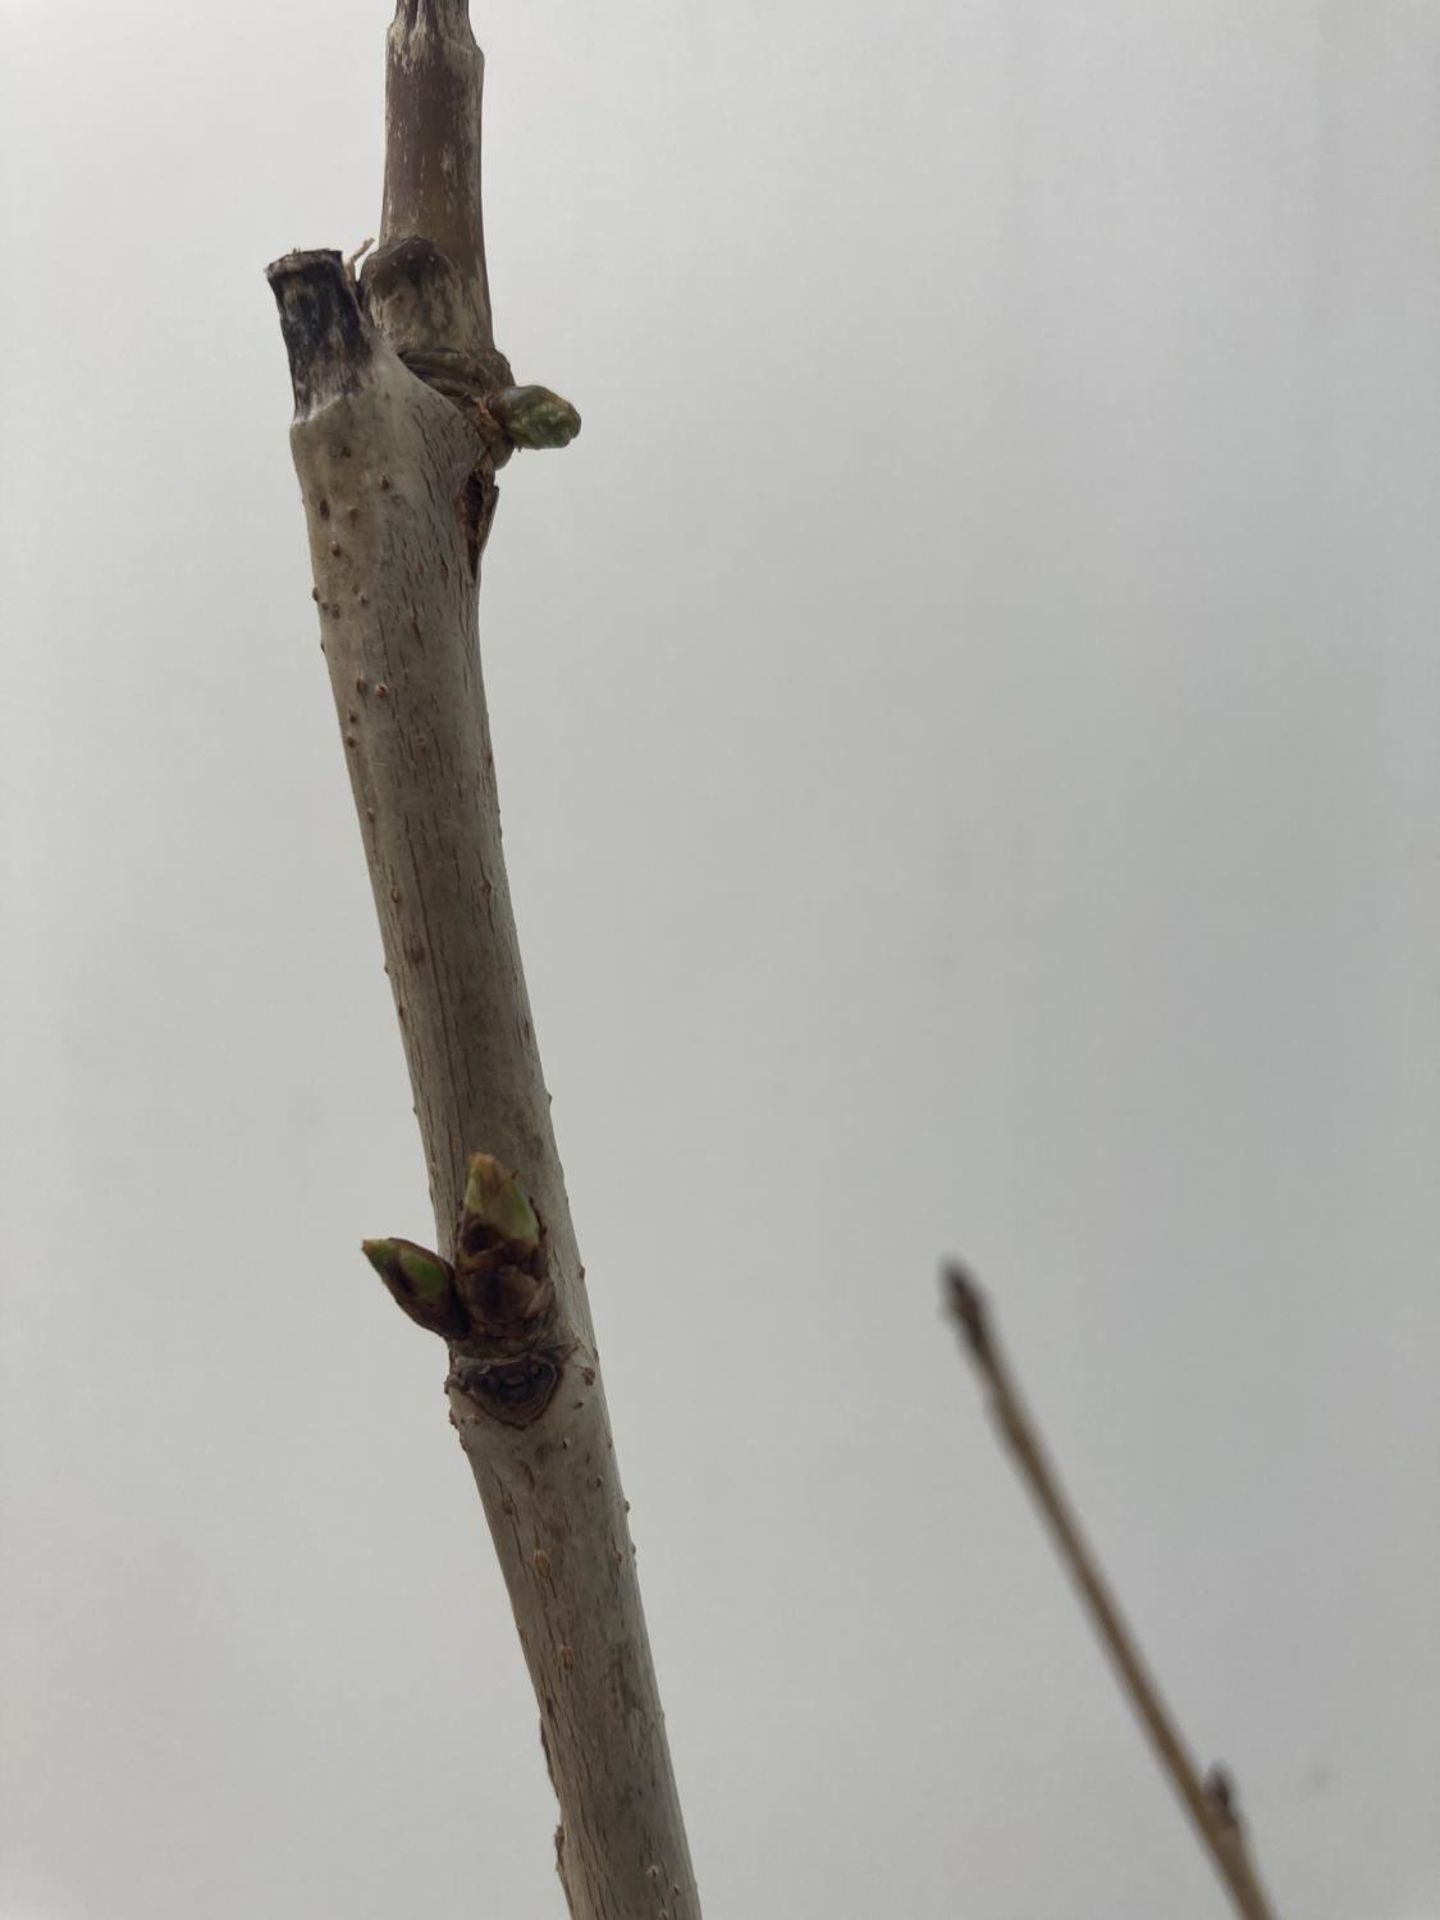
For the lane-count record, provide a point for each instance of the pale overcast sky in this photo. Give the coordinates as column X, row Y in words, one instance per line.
column 966, row 711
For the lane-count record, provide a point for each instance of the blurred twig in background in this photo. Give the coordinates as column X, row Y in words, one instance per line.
column 1210, row 1799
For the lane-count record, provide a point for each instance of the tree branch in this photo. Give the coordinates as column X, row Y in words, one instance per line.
column 434, row 100
column 1210, row 1802
column 403, row 412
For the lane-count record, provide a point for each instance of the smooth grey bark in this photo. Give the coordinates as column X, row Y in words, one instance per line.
column 404, row 409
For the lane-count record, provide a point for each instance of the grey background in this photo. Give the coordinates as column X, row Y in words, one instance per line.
column 966, row 711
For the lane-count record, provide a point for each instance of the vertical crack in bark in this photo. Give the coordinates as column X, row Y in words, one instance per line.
column 475, row 504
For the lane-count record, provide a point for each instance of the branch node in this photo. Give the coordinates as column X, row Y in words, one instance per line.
column 424, row 301
column 511, row 1356
column 1220, row 1792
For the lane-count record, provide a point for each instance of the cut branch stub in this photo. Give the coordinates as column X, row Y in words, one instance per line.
column 327, row 338
column 434, row 90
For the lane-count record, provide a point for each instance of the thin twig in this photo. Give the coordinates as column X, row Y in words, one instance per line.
column 1210, row 1800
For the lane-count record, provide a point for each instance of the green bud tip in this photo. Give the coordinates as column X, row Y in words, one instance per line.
column 425, row 1274
column 493, row 1197
column 535, row 417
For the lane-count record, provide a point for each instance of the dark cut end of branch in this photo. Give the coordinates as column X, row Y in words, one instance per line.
column 971, row 1314
column 448, row 17
column 329, row 341
column 420, row 1283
